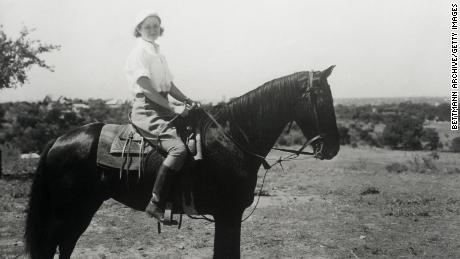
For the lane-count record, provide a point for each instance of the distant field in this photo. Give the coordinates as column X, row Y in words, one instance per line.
column 395, row 100
column 349, row 207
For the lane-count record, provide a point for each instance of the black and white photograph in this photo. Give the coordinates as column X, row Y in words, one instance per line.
column 229, row 129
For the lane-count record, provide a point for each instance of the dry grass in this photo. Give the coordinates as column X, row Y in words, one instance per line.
column 344, row 208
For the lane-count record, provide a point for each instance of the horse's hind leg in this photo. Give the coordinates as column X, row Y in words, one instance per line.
column 50, row 243
column 75, row 225
column 50, row 240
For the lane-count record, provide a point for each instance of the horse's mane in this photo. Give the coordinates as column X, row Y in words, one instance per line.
column 275, row 94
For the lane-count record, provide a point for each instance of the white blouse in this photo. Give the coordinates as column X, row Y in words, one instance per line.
column 146, row 60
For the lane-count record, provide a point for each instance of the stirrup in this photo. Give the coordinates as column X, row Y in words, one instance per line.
column 167, row 219
column 168, row 222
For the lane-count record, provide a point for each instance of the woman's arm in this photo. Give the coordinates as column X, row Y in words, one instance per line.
column 177, row 94
column 147, row 89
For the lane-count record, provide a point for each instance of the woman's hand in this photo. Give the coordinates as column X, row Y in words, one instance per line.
column 185, row 112
column 190, row 104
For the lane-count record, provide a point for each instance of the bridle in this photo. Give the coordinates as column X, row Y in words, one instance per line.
column 316, row 142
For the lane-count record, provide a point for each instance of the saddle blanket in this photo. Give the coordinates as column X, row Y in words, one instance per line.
column 120, row 146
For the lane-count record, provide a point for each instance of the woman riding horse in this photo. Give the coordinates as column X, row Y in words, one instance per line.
column 69, row 187
column 151, row 82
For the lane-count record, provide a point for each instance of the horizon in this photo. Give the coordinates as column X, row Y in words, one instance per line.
column 54, row 98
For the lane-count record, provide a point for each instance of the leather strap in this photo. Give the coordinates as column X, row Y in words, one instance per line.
column 300, row 151
column 262, row 158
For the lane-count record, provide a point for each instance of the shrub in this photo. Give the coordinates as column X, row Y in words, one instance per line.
column 9, row 152
column 430, row 137
column 370, row 190
column 396, row 168
column 422, row 164
column 363, row 134
column 369, row 138
column 434, row 155
column 295, row 137
column 455, row 146
column 418, row 164
column 29, row 126
column 403, row 132
column 344, row 135
column 452, row 170
column 11, row 162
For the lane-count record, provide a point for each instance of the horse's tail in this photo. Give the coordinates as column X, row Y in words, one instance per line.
column 38, row 208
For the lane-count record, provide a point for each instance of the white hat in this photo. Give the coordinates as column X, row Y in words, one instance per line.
column 142, row 15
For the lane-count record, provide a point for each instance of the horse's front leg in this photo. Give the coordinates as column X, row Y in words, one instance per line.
column 227, row 234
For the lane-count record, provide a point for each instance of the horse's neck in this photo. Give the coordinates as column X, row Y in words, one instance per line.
column 261, row 132
column 261, row 116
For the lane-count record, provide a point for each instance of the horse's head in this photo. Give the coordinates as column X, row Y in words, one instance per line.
column 315, row 115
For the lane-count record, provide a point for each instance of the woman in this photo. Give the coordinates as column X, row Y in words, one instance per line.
column 151, row 83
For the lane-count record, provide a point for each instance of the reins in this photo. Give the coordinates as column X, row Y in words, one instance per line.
column 266, row 165
column 241, row 147
column 294, row 153
column 298, row 152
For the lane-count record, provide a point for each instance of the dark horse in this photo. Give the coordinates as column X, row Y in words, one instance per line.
column 69, row 187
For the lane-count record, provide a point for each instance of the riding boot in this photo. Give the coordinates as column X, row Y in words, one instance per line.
column 160, row 192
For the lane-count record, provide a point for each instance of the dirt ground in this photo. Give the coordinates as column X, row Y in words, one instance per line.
column 350, row 207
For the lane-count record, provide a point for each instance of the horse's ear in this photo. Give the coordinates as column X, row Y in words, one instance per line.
column 326, row 73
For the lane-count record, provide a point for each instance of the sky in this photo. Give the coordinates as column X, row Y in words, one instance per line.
column 222, row 49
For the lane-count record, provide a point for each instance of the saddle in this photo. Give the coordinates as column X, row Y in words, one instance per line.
column 122, row 148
